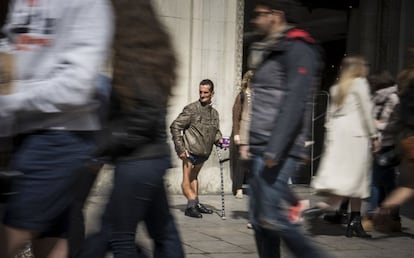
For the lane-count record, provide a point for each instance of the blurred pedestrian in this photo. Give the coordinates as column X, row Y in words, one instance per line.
column 405, row 125
column 351, row 138
column 56, row 49
column 241, row 118
column 287, row 66
column 194, row 132
column 135, row 139
column 385, row 99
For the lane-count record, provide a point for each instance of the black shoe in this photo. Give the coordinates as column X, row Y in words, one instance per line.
column 203, row 209
column 355, row 228
column 193, row 212
column 312, row 213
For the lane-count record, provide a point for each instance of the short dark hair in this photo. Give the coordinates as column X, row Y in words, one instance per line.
column 287, row 6
column 208, row 82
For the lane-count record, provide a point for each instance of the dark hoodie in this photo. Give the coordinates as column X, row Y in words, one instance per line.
column 283, row 87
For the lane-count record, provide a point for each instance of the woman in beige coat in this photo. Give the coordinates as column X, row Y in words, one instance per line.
column 351, row 137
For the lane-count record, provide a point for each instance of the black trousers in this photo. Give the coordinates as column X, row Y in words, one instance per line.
column 239, row 168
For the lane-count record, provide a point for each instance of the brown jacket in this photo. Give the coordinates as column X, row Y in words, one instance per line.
column 196, row 129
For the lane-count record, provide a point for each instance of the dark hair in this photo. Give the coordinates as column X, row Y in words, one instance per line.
column 381, row 81
column 143, row 52
column 406, row 77
column 289, row 7
column 208, row 82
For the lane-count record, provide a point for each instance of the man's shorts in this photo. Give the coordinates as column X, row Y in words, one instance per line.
column 50, row 161
column 196, row 160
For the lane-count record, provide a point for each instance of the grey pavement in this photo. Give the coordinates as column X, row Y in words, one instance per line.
column 214, row 237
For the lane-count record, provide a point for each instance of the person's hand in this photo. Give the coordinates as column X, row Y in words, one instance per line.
column 236, row 139
column 376, row 145
column 184, row 155
column 270, row 163
column 244, row 152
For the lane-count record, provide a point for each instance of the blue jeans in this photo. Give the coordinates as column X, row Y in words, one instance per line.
column 382, row 184
column 139, row 195
column 269, row 192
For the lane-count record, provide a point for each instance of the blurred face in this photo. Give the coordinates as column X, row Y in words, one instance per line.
column 266, row 20
column 205, row 94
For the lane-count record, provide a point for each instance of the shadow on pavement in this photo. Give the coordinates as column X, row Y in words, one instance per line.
column 182, row 207
column 321, row 227
column 239, row 215
column 392, row 235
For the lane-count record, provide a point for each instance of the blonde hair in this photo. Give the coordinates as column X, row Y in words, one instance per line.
column 352, row 67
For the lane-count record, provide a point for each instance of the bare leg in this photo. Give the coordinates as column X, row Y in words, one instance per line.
column 15, row 240
column 194, row 178
column 185, row 185
column 398, row 197
column 50, row 248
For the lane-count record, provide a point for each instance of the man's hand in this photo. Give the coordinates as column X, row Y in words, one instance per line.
column 184, row 155
column 236, row 139
column 270, row 163
column 244, row 152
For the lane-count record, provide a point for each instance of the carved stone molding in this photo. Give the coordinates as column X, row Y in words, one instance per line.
column 239, row 44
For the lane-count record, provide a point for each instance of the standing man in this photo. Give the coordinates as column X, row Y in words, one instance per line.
column 286, row 74
column 55, row 49
column 194, row 132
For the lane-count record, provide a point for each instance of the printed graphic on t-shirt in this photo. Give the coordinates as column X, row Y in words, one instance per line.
column 31, row 25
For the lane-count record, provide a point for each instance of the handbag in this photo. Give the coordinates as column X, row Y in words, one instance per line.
column 407, row 145
column 388, row 157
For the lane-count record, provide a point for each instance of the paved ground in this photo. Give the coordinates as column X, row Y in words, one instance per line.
column 216, row 238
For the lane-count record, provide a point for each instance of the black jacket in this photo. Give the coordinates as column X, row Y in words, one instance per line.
column 283, row 87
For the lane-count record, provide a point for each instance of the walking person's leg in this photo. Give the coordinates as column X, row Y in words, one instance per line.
column 136, row 183
column 354, row 225
column 162, row 228
column 272, row 220
column 76, row 234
